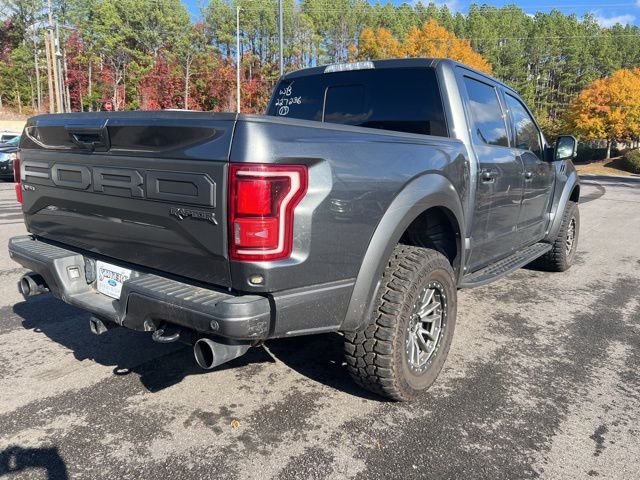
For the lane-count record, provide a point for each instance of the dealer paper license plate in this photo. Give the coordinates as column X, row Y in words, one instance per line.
column 111, row 278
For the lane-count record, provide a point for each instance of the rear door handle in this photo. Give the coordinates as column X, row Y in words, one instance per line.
column 488, row 175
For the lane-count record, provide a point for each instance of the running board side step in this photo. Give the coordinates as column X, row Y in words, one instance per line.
column 505, row 266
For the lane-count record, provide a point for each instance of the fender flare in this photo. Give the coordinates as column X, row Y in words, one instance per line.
column 567, row 190
column 419, row 195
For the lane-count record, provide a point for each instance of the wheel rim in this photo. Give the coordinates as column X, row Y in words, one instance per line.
column 571, row 235
column 425, row 327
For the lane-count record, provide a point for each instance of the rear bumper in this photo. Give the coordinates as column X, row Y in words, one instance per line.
column 146, row 299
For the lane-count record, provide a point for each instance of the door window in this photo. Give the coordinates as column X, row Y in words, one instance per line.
column 527, row 133
column 486, row 113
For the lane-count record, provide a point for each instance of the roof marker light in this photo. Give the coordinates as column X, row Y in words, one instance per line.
column 345, row 67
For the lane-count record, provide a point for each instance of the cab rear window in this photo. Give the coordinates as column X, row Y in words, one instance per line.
column 399, row 99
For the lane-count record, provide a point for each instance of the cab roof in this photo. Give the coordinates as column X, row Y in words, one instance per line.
column 392, row 63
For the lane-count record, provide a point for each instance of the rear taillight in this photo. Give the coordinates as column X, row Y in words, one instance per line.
column 16, row 177
column 262, row 199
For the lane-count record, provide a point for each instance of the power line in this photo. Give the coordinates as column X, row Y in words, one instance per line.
column 601, row 36
column 401, row 7
column 555, row 37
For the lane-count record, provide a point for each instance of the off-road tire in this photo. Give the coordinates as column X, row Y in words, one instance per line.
column 558, row 259
column 376, row 356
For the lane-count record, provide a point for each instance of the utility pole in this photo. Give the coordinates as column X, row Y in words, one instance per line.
column 47, row 49
column 54, row 62
column 238, row 59
column 280, row 28
column 34, row 37
column 58, row 54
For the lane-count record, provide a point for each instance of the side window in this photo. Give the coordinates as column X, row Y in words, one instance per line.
column 488, row 120
column 527, row 134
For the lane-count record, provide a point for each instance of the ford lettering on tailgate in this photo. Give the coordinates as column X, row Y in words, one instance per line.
column 175, row 187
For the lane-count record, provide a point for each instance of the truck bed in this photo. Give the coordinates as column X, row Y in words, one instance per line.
column 148, row 190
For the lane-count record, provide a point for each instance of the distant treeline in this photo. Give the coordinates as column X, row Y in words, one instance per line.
column 150, row 54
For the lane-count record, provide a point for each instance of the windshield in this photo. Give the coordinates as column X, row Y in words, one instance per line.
column 400, row 99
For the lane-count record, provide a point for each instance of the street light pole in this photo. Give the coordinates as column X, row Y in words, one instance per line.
column 54, row 62
column 238, row 59
column 47, row 49
column 36, row 63
column 281, row 40
column 58, row 66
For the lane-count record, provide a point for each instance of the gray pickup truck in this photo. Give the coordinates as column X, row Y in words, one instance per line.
column 360, row 203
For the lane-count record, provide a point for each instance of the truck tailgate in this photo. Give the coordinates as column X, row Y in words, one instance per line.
column 143, row 188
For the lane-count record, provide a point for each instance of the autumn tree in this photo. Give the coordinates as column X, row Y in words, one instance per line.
column 77, row 75
column 609, row 108
column 115, row 49
column 379, row 44
column 432, row 40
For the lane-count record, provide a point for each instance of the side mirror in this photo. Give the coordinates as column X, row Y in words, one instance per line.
column 566, row 148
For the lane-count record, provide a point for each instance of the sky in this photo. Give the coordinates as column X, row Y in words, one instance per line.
column 607, row 12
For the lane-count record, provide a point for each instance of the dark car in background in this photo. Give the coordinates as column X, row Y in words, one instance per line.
column 6, row 135
column 8, row 152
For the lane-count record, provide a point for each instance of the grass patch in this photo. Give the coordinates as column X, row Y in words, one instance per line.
column 625, row 165
column 610, row 167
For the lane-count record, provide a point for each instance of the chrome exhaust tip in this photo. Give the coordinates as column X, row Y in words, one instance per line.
column 98, row 327
column 210, row 354
column 32, row 284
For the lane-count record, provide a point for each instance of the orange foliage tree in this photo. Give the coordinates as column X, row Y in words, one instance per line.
column 432, row 40
column 379, row 44
column 608, row 108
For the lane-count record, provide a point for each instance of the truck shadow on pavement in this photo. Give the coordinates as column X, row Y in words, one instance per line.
column 319, row 358
column 17, row 459
column 158, row 366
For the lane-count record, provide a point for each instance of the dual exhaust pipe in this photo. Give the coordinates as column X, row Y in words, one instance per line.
column 32, row 284
column 208, row 353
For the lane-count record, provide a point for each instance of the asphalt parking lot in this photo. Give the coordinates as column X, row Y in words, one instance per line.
column 543, row 379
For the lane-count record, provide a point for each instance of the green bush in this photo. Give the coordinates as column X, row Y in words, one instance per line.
column 631, row 161
column 590, row 154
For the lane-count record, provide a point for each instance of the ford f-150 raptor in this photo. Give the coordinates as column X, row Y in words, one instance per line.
column 360, row 203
